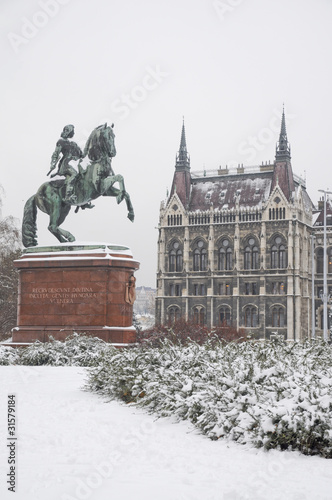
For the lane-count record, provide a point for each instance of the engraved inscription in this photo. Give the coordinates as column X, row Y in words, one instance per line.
column 62, row 295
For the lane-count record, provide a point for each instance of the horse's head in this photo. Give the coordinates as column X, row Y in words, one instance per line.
column 100, row 143
column 108, row 136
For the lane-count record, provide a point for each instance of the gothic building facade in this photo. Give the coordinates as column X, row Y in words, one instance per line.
column 318, row 267
column 235, row 247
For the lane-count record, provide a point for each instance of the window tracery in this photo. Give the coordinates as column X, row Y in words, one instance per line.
column 200, row 257
column 251, row 254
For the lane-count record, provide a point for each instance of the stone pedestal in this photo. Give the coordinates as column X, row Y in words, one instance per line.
column 72, row 287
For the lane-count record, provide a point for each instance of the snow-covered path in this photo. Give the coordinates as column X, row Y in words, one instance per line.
column 73, row 445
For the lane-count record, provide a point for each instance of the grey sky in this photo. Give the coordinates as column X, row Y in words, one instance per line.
column 226, row 66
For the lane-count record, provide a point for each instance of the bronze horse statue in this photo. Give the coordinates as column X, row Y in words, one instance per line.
column 96, row 180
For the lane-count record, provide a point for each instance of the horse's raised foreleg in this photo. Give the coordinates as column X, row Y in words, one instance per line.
column 131, row 214
column 112, row 191
column 122, row 190
column 123, row 195
column 56, row 218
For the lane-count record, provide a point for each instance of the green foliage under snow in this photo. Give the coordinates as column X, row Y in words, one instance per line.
column 273, row 395
column 78, row 350
column 8, row 356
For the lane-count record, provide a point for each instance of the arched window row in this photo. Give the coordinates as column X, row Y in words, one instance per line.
column 174, row 220
column 225, row 256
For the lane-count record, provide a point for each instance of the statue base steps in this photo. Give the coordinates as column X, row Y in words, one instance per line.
column 115, row 336
column 76, row 287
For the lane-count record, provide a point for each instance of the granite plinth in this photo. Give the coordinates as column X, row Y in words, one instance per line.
column 75, row 288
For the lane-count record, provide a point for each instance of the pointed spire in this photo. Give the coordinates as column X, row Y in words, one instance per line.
column 283, row 148
column 283, row 133
column 282, row 171
column 182, row 158
column 183, row 144
column 182, row 179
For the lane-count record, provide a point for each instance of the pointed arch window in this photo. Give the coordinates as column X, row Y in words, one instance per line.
column 274, row 257
column 247, row 254
column 174, row 314
column 175, row 258
column 179, row 261
column 282, row 256
column 278, row 317
column 225, row 256
column 255, row 258
column 224, row 316
column 251, row 255
column 200, row 257
column 278, row 254
column 199, row 315
column 251, row 317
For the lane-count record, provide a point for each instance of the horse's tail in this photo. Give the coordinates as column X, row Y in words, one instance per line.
column 29, row 226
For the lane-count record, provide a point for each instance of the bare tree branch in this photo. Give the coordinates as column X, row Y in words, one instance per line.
column 10, row 249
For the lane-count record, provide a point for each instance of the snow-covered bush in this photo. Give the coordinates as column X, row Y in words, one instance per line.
column 77, row 350
column 272, row 394
column 182, row 332
column 8, row 356
column 40, row 353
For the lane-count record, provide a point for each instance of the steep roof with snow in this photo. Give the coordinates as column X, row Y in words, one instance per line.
column 251, row 187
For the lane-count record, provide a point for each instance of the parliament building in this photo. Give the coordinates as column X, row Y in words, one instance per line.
column 235, row 248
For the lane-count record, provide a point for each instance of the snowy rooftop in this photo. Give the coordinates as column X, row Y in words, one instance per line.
column 251, row 186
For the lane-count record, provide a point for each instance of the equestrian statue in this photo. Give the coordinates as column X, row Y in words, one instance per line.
column 78, row 188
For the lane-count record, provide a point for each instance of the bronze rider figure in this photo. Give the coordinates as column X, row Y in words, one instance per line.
column 68, row 150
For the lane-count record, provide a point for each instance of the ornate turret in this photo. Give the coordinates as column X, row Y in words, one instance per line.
column 182, row 179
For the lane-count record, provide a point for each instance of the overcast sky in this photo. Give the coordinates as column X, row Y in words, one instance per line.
column 227, row 66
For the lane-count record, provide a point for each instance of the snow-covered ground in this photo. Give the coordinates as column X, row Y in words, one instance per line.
column 74, row 445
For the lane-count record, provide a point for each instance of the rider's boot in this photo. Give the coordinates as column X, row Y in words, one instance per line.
column 83, row 207
column 70, row 196
column 87, row 205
